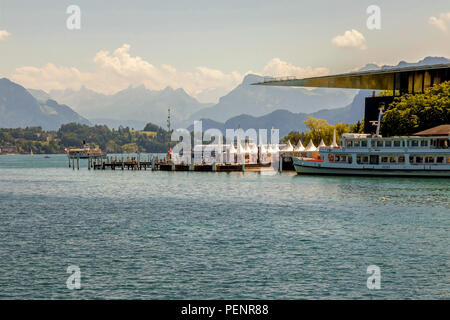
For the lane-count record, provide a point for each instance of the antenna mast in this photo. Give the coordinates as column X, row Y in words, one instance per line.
column 168, row 121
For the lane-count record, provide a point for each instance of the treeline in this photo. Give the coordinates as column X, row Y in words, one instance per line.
column 152, row 139
column 410, row 113
column 318, row 129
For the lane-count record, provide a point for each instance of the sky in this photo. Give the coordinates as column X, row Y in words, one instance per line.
column 207, row 47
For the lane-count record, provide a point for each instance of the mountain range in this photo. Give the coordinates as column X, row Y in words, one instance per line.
column 137, row 105
column 261, row 100
column 287, row 121
column 134, row 106
column 18, row 108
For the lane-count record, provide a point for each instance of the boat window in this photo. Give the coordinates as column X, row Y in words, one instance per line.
column 411, row 159
column 384, row 159
column 379, row 143
column 356, row 143
column 429, row 159
column 440, row 160
column 443, row 144
column 364, row 144
column 362, row 159
column 414, row 143
column 419, row 160
column 350, row 159
column 374, row 159
column 401, row 159
column 448, row 159
column 393, row 160
column 388, row 144
column 349, row 143
column 397, row 143
column 373, row 143
column 343, row 158
column 424, row 143
column 331, row 158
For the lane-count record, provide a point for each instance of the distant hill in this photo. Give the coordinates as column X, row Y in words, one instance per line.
column 403, row 64
column 260, row 100
column 134, row 104
column 424, row 62
column 18, row 108
column 287, row 121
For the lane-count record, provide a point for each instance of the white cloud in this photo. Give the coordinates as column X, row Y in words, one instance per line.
column 350, row 39
column 278, row 68
column 442, row 22
column 4, row 35
column 118, row 70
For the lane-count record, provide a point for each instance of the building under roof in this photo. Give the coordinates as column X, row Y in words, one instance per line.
column 442, row 130
column 400, row 80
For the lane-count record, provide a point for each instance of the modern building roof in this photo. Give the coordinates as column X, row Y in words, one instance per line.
column 442, row 130
column 409, row 79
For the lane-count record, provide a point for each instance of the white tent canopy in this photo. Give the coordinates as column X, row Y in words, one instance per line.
column 272, row 148
column 322, row 144
column 299, row 147
column 275, row 148
column 247, row 148
column 240, row 149
column 263, row 149
column 311, row 147
column 288, row 147
column 253, row 148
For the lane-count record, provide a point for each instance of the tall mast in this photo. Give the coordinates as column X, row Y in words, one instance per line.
column 168, row 120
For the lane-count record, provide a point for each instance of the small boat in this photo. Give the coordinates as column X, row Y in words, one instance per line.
column 84, row 153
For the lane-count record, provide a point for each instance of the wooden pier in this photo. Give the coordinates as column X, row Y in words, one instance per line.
column 158, row 164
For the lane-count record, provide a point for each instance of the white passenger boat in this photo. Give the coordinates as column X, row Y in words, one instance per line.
column 424, row 154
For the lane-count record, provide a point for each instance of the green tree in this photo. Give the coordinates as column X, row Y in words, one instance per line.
column 318, row 129
column 411, row 113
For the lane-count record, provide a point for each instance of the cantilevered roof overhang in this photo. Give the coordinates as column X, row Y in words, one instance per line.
column 401, row 80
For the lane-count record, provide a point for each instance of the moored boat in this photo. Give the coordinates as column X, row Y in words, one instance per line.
column 424, row 154
column 84, row 153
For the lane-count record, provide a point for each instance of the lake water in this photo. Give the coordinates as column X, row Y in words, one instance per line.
column 186, row 235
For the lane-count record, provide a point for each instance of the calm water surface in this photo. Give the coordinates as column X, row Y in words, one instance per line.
column 163, row 235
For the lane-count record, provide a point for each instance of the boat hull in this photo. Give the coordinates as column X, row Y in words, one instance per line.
column 305, row 168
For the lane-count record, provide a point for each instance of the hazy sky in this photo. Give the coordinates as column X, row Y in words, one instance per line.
column 207, row 47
